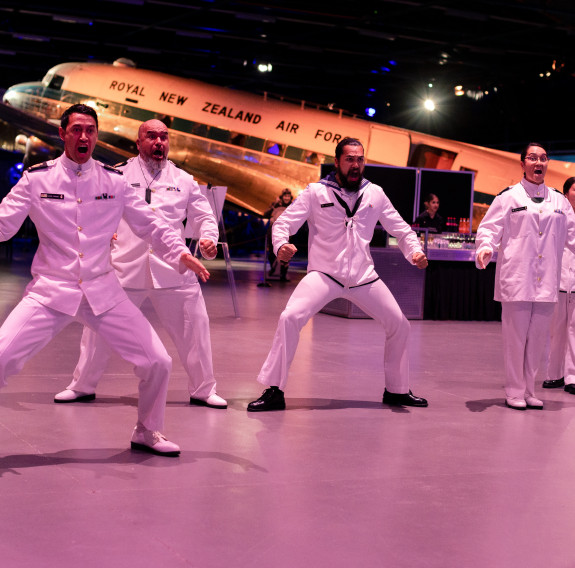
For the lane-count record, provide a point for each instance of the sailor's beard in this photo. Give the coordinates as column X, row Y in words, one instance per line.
column 349, row 185
column 154, row 165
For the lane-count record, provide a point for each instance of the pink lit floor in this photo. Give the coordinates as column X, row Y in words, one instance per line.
column 335, row 481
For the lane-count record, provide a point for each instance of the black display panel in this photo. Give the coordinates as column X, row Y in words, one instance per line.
column 407, row 188
column 399, row 184
column 454, row 190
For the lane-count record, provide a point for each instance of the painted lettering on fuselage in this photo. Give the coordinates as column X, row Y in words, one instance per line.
column 128, row 88
column 328, row 136
column 173, row 98
column 290, row 127
column 230, row 112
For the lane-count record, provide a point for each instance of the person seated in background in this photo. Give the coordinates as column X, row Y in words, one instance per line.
column 430, row 219
column 561, row 363
column 275, row 210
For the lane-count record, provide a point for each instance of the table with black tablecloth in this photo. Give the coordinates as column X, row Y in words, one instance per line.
column 457, row 290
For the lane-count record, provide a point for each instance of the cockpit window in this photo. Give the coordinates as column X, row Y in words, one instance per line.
column 425, row 156
column 47, row 78
column 56, row 82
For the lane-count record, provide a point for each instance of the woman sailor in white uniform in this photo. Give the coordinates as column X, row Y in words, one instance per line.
column 529, row 224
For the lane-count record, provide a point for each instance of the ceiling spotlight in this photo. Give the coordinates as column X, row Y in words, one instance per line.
column 264, row 67
column 370, row 112
column 429, row 105
column 458, row 91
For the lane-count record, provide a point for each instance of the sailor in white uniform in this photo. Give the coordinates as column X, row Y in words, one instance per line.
column 76, row 204
column 529, row 224
column 561, row 360
column 341, row 211
column 177, row 298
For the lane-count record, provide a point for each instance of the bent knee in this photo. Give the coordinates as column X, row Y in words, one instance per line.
column 397, row 323
column 160, row 360
column 292, row 316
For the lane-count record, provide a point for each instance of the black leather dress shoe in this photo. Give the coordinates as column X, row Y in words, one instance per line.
column 570, row 389
column 553, row 383
column 406, row 399
column 271, row 399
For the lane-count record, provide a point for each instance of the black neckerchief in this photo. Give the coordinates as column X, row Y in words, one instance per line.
column 350, row 213
column 332, row 179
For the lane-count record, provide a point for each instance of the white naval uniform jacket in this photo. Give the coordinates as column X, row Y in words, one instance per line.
column 338, row 243
column 175, row 197
column 567, row 280
column 531, row 237
column 76, row 210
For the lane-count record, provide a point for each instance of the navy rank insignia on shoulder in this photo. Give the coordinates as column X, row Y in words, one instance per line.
column 557, row 191
column 38, row 167
column 121, row 164
column 506, row 189
column 112, row 169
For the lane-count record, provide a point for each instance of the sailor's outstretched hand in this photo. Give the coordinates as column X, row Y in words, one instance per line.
column 195, row 265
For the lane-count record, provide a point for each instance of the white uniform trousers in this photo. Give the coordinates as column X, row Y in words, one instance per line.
column 31, row 326
column 525, row 327
column 182, row 312
column 316, row 290
column 562, row 348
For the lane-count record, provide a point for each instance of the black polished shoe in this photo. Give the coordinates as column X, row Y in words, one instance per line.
column 406, row 399
column 271, row 399
column 553, row 383
column 570, row 389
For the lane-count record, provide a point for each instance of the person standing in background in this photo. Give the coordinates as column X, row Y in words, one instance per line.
column 561, row 363
column 430, row 219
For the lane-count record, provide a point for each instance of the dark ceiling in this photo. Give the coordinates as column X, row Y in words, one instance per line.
column 353, row 55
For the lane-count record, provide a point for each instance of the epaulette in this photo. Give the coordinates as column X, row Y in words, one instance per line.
column 506, row 189
column 113, row 169
column 121, row 164
column 558, row 191
column 36, row 167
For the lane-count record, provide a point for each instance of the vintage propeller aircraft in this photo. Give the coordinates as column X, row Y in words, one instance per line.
column 255, row 145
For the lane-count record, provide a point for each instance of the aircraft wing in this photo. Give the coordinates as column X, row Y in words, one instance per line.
column 29, row 124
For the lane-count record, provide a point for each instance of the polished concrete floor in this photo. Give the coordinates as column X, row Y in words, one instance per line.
column 337, row 480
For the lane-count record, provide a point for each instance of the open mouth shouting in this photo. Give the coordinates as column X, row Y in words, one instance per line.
column 158, row 154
